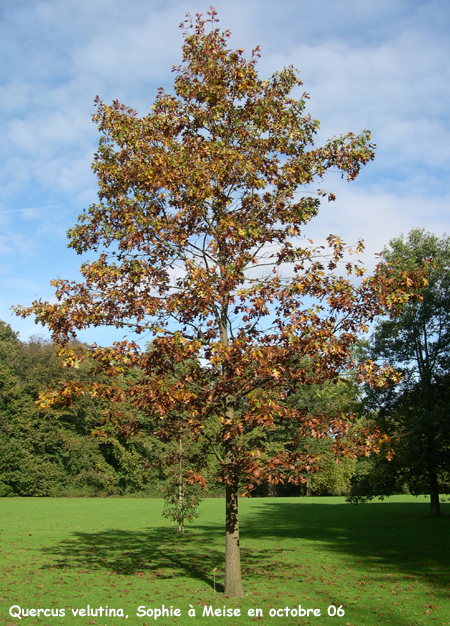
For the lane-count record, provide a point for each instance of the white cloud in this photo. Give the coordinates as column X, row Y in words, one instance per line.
column 17, row 243
column 389, row 88
column 377, row 216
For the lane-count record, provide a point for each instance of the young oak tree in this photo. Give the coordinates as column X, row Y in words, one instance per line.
column 181, row 497
column 201, row 204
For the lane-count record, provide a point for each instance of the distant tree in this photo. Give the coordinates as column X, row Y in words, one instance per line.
column 200, row 208
column 333, row 473
column 415, row 413
column 330, row 474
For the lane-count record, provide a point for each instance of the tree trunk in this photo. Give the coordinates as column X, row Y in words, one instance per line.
column 233, row 582
column 435, row 507
column 180, row 494
column 308, row 486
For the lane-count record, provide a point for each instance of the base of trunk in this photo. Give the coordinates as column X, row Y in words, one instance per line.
column 435, row 507
column 233, row 581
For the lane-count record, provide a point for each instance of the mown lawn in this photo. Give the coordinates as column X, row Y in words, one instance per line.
column 384, row 563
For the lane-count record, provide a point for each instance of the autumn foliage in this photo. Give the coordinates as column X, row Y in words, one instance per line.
column 199, row 234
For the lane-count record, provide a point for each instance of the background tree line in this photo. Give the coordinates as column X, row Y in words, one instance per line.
column 57, row 451
column 52, row 452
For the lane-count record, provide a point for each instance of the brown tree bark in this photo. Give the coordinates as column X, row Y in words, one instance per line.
column 435, row 507
column 233, row 581
column 180, row 530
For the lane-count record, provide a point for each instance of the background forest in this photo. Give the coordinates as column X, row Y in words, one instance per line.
column 53, row 452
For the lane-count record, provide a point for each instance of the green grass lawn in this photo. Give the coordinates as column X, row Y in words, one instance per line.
column 384, row 562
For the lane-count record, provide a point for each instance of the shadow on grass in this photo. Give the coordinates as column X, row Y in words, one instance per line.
column 398, row 536
column 155, row 551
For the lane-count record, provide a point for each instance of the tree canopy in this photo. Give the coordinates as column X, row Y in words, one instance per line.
column 202, row 204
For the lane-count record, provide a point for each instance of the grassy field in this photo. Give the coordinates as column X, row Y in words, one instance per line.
column 384, row 562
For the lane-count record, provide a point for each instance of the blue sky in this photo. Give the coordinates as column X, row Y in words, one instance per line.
column 379, row 65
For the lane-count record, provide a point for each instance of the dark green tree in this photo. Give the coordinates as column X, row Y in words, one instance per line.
column 324, row 472
column 415, row 413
